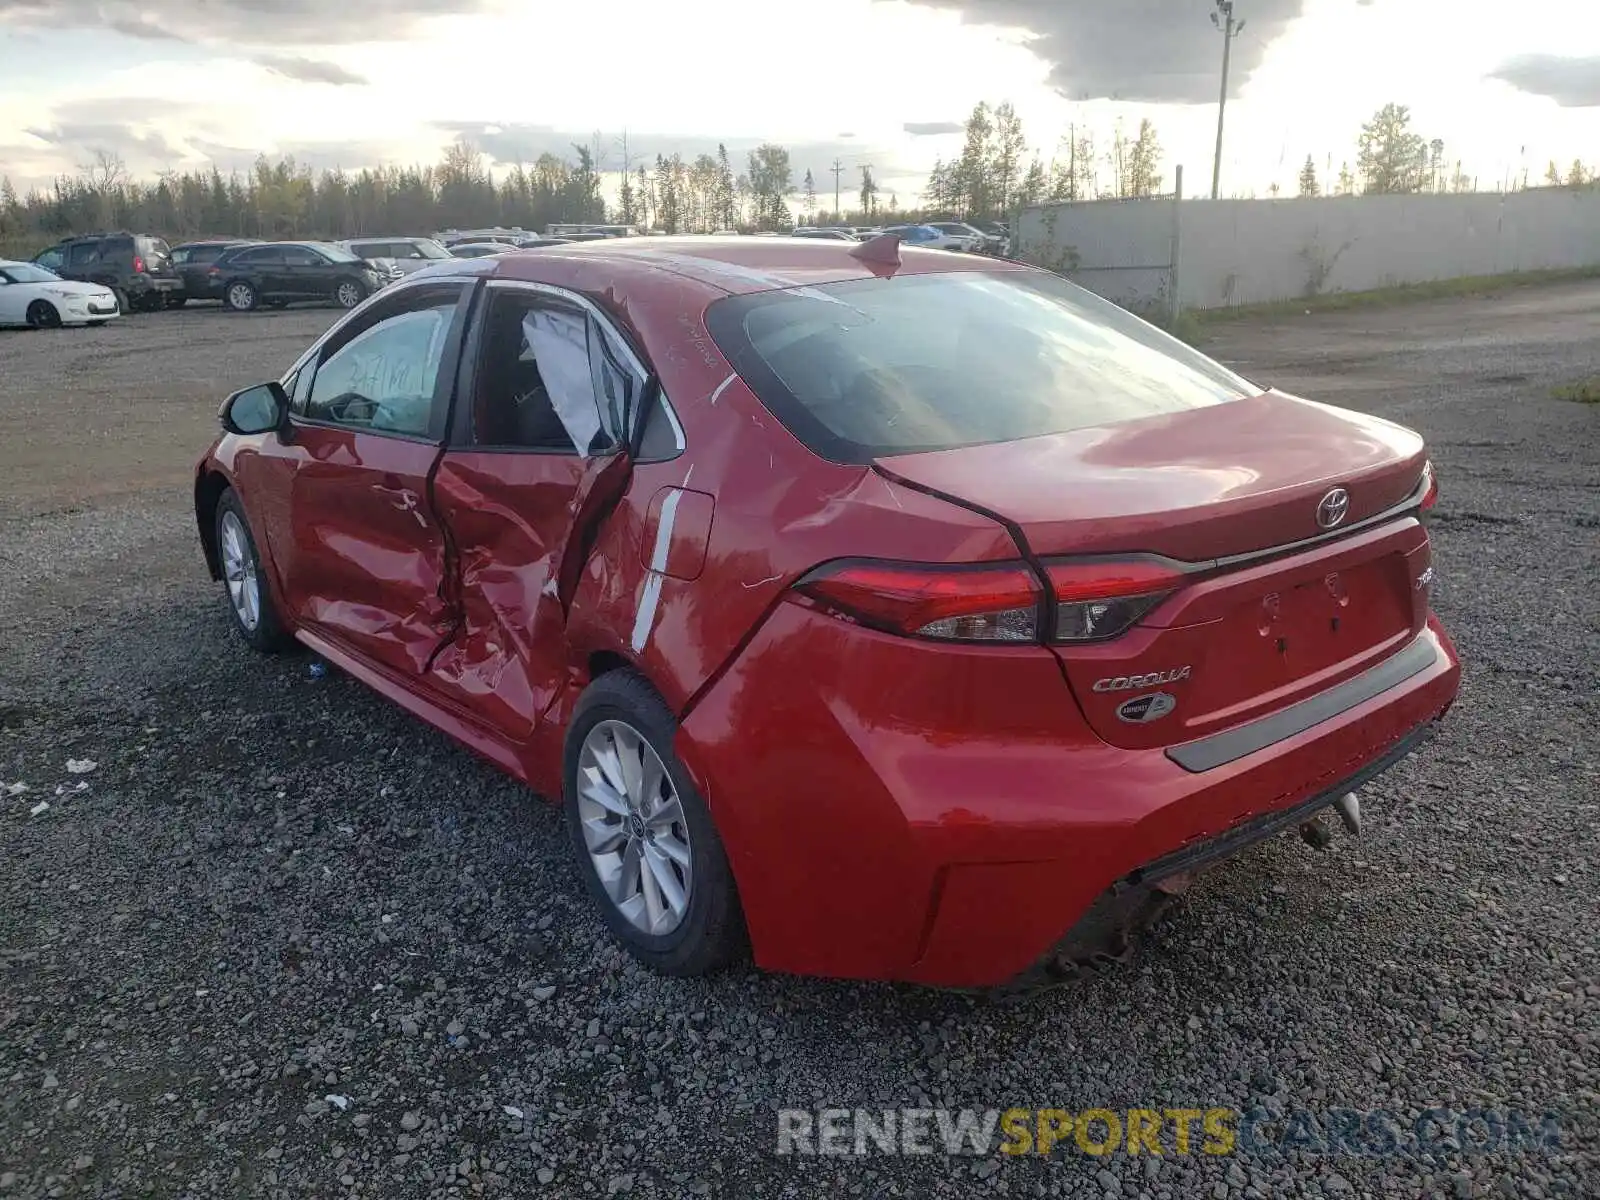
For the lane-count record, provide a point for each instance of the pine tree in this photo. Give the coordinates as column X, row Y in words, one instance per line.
column 1309, row 186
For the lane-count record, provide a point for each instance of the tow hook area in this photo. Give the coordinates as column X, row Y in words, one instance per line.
column 1319, row 836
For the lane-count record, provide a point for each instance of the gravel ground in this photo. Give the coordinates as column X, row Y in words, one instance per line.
column 280, row 939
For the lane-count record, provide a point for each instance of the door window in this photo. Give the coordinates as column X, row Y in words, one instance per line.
column 385, row 379
column 51, row 260
column 265, row 256
column 535, row 383
column 83, row 254
column 299, row 256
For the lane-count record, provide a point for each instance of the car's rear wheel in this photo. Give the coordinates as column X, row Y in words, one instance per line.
column 43, row 315
column 123, row 306
column 349, row 293
column 255, row 614
column 240, row 296
column 648, row 850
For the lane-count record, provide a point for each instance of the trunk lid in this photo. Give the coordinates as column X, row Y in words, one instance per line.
column 1199, row 484
column 1257, row 621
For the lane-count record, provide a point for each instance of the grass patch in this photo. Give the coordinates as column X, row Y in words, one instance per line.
column 1585, row 391
column 1410, row 293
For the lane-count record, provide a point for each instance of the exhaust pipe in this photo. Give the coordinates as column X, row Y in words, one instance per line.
column 1349, row 809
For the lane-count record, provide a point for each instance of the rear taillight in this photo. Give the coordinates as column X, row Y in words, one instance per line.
column 1430, row 487
column 981, row 603
column 1094, row 599
column 1100, row 598
column 138, row 265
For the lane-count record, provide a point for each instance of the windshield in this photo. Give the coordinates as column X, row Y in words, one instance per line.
column 876, row 367
column 28, row 273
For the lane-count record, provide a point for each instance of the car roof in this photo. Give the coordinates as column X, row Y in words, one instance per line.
column 735, row 265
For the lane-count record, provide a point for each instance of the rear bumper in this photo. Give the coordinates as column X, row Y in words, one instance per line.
column 141, row 285
column 898, row 810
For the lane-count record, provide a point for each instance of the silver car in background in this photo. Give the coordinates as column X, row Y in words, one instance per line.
column 399, row 255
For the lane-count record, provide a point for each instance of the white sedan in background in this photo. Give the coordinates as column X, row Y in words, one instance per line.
column 39, row 299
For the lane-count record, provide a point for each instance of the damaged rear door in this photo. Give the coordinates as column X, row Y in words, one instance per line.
column 534, row 466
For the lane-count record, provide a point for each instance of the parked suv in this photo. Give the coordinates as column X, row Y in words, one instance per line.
column 408, row 254
column 193, row 261
column 136, row 267
column 278, row 273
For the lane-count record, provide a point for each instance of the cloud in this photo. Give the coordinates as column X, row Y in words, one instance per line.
column 930, row 128
column 265, row 22
column 1156, row 51
column 84, row 139
column 1570, row 82
column 308, row 70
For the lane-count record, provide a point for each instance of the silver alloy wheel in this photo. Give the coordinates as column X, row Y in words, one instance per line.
column 239, row 569
column 240, row 295
column 634, row 828
column 348, row 295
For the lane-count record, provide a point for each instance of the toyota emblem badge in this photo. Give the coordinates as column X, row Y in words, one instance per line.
column 1331, row 509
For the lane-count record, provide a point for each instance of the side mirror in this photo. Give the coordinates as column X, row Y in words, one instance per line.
column 259, row 409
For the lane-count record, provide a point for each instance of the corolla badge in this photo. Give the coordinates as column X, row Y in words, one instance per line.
column 1141, row 710
column 1127, row 683
column 1331, row 509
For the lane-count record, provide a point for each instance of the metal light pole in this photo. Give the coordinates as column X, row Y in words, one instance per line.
column 1230, row 30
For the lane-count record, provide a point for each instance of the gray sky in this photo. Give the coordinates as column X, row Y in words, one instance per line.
column 187, row 83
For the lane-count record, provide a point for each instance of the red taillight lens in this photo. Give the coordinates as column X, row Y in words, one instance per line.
column 138, row 265
column 1100, row 598
column 1430, row 486
column 214, row 271
column 982, row 603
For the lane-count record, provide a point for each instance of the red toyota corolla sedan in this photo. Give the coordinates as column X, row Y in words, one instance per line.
column 878, row 612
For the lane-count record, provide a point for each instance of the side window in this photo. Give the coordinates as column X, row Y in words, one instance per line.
column 384, row 379
column 51, row 259
column 368, row 249
column 299, row 256
column 536, row 386
column 404, row 250
column 257, row 258
column 82, row 254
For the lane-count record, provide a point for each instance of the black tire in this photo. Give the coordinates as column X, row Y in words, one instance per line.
column 123, row 305
column 268, row 635
column 711, row 934
column 240, row 295
column 43, row 315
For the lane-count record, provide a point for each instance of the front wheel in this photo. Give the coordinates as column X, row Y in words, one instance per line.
column 255, row 615
column 349, row 293
column 240, row 296
column 123, row 306
column 647, row 848
column 43, row 315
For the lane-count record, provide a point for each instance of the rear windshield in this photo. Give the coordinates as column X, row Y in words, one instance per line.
column 876, row 367
column 152, row 245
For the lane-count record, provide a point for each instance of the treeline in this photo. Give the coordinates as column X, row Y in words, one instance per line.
column 284, row 200
column 995, row 173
